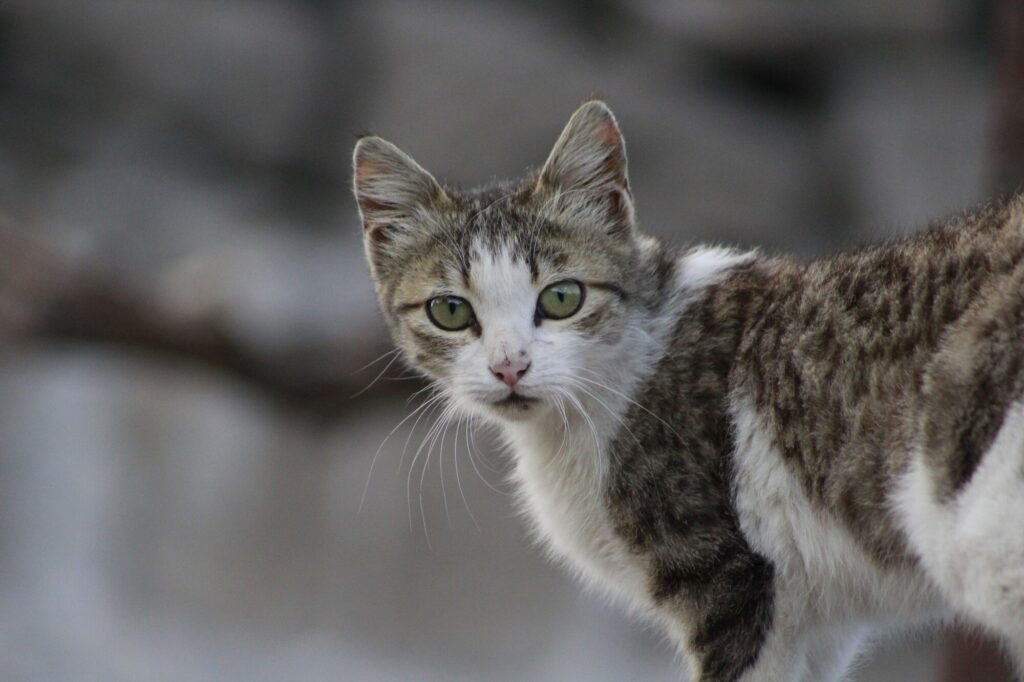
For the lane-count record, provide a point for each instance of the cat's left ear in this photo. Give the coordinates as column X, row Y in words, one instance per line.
column 588, row 168
column 394, row 193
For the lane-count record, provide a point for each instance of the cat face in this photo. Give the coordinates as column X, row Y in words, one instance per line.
column 514, row 299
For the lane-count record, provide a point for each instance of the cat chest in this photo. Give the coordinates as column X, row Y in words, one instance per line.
column 565, row 498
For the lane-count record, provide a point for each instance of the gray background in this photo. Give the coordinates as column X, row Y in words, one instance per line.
column 161, row 521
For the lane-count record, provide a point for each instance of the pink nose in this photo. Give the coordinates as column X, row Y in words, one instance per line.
column 510, row 371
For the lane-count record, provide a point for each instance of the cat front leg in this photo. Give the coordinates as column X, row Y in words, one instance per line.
column 752, row 646
column 815, row 657
column 788, row 653
column 739, row 654
column 782, row 658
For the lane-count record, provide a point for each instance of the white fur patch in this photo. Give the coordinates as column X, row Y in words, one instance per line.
column 973, row 545
column 828, row 590
column 562, row 472
column 703, row 265
column 562, row 486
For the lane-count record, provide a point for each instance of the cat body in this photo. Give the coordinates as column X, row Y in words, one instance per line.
column 771, row 458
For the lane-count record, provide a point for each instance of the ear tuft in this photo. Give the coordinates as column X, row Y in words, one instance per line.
column 390, row 187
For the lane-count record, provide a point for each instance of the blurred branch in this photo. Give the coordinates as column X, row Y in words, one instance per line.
column 45, row 297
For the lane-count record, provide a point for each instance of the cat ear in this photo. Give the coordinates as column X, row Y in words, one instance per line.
column 394, row 193
column 589, row 160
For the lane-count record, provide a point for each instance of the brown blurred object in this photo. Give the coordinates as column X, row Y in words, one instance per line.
column 969, row 656
column 1008, row 141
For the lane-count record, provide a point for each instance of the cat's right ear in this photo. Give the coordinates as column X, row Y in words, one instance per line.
column 394, row 193
column 588, row 168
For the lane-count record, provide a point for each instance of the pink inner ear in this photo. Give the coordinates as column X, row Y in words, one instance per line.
column 610, row 133
column 365, row 167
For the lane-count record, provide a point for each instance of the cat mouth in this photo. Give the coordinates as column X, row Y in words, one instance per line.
column 515, row 400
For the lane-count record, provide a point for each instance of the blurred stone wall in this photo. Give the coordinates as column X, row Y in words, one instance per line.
column 159, row 522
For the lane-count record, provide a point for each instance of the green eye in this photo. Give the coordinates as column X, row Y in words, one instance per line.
column 450, row 313
column 560, row 300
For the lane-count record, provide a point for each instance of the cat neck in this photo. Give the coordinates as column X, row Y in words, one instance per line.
column 564, row 458
column 583, row 425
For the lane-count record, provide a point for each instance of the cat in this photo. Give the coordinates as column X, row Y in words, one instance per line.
column 771, row 458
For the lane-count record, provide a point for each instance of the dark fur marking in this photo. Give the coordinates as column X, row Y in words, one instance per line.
column 593, row 320
column 609, row 286
column 976, row 375
column 671, row 495
column 410, row 307
column 842, row 388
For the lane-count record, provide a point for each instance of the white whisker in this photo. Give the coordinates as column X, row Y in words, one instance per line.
column 472, row 445
column 373, row 362
column 434, row 401
column 610, row 411
column 436, row 431
column 375, row 379
column 373, row 460
column 412, row 467
column 575, row 402
column 440, row 466
column 455, row 459
column 627, row 398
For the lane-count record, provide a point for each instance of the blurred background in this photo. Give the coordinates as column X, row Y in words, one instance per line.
column 185, row 315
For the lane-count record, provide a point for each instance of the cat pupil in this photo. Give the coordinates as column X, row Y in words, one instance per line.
column 561, row 296
column 451, row 307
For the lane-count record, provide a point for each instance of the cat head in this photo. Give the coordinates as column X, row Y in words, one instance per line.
column 517, row 296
